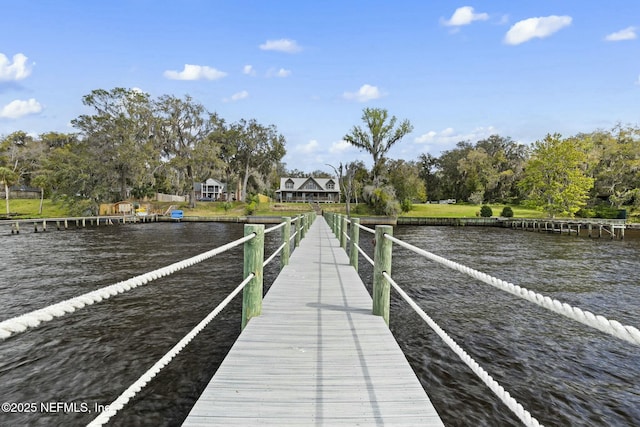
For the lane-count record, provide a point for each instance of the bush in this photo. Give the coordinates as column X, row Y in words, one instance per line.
column 381, row 200
column 486, row 211
column 250, row 208
column 507, row 212
column 406, row 205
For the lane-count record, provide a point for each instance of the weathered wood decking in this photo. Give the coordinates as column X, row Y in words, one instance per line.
column 316, row 356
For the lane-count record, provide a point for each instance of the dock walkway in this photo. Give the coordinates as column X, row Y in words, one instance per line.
column 316, row 355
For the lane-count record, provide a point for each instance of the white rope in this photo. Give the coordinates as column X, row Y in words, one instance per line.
column 601, row 323
column 275, row 227
column 32, row 319
column 493, row 385
column 273, row 255
column 370, row 230
column 364, row 254
column 134, row 388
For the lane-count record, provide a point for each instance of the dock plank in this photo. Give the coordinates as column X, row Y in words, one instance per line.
column 316, row 355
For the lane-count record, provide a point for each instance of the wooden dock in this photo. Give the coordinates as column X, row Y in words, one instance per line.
column 316, row 355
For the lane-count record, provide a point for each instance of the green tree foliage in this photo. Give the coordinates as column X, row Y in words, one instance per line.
column 485, row 171
column 614, row 160
column 555, row 177
column 451, row 179
column 378, row 136
column 258, row 150
column 118, row 140
column 429, row 173
column 183, row 129
column 405, row 179
column 7, row 177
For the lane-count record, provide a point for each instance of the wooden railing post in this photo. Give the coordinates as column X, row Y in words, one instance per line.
column 343, row 233
column 298, row 231
column 355, row 240
column 382, row 263
column 286, row 236
column 253, row 259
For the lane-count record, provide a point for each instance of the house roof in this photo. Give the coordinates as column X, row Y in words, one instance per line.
column 299, row 183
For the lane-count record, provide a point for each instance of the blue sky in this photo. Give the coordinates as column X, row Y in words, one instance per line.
column 457, row 71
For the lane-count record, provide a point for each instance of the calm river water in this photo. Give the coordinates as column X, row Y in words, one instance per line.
column 562, row 372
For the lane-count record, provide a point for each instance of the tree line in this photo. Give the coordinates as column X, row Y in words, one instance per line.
column 132, row 145
column 589, row 174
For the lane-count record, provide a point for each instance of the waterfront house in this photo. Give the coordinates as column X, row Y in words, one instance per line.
column 308, row 190
column 211, row 190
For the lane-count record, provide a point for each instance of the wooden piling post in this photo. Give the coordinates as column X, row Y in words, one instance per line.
column 343, row 233
column 286, row 236
column 253, row 259
column 382, row 263
column 298, row 232
column 44, row 225
column 355, row 240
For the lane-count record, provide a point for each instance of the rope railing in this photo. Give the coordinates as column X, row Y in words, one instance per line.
column 253, row 262
column 253, row 266
column 367, row 229
column 601, row 323
column 515, row 407
column 274, row 228
column 34, row 318
column 364, row 254
column 274, row 254
column 133, row 389
column 382, row 282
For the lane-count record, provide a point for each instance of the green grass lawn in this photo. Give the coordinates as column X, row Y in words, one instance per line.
column 28, row 208
column 465, row 210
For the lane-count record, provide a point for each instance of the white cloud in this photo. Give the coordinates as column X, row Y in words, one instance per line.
column 364, row 94
column 628, row 33
column 237, row 96
column 195, row 72
column 17, row 70
column 638, row 81
column 340, row 147
column 281, row 45
column 307, row 148
column 19, row 108
column 248, row 70
column 464, row 16
column 525, row 30
column 449, row 136
column 278, row 73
